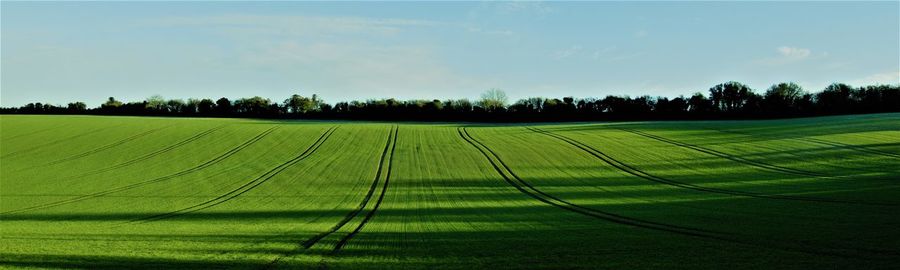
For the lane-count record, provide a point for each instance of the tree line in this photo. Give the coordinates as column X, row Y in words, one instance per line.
column 730, row 100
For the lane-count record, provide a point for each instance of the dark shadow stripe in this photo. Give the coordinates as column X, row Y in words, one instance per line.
column 647, row 176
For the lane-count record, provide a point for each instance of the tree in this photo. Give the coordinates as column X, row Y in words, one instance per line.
column 835, row 99
column 298, row 104
column 727, row 100
column 175, row 106
column 699, row 104
column 111, row 106
column 156, row 103
column 293, row 103
column 493, row 100
column 255, row 106
column 206, row 106
column 224, row 106
column 111, row 103
column 76, row 107
column 730, row 96
column 191, row 107
column 784, row 98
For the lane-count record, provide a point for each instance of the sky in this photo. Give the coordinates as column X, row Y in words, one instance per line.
column 58, row 52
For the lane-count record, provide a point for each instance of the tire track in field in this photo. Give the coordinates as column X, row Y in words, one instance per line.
column 371, row 213
column 861, row 149
column 36, row 147
column 840, row 145
column 850, row 146
column 199, row 167
column 653, row 178
column 34, row 132
column 105, row 147
column 758, row 164
column 539, row 195
column 252, row 184
column 154, row 153
column 391, row 140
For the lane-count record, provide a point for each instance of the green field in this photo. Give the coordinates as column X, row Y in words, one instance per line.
column 163, row 193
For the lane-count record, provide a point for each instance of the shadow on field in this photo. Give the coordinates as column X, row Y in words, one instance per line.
column 714, row 133
column 115, row 262
column 573, row 247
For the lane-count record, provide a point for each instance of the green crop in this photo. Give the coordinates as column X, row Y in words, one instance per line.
column 162, row 193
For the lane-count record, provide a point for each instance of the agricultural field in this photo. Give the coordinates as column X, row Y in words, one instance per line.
column 164, row 193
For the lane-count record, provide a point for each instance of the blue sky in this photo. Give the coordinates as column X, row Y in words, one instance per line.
column 61, row 52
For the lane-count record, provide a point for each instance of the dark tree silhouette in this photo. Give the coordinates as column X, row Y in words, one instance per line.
column 730, row 100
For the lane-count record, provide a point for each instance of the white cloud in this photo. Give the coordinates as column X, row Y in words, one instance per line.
column 294, row 25
column 567, row 52
column 794, row 52
column 475, row 29
column 341, row 57
column 891, row 77
column 788, row 55
column 626, row 56
column 361, row 70
column 524, row 6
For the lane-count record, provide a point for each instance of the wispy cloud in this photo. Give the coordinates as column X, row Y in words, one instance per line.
column 605, row 54
column 348, row 55
column 789, row 54
column 567, row 52
column 794, row 52
column 890, row 77
column 602, row 52
column 626, row 56
column 476, row 29
column 295, row 25
column 524, row 6
column 489, row 10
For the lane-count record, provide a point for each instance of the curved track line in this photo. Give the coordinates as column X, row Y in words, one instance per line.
column 351, row 215
column 614, row 218
column 530, row 190
column 246, row 186
column 34, row 132
column 858, row 148
column 151, row 181
column 57, row 141
column 647, row 176
column 841, row 146
column 758, row 164
column 371, row 213
column 105, row 147
column 850, row 146
column 154, row 153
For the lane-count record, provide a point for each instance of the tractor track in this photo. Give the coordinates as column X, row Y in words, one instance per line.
column 36, row 147
column 252, row 184
column 371, row 213
column 105, row 147
column 850, row 146
column 34, row 132
column 154, row 153
column 535, row 193
column 840, row 145
column 758, row 164
column 647, row 176
column 352, row 214
column 539, row 195
column 201, row 166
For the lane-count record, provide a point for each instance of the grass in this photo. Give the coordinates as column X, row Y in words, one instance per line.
column 125, row 192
